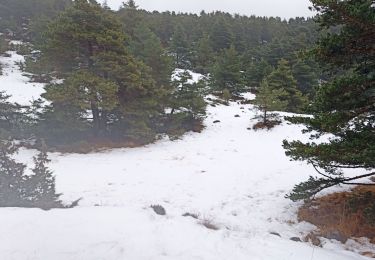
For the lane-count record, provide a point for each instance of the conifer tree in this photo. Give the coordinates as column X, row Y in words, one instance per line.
column 179, row 47
column 12, row 178
column 221, row 35
column 345, row 105
column 306, row 74
column 147, row 47
column 20, row 190
column 89, row 50
column 11, row 118
column 187, row 97
column 282, row 79
column 269, row 99
column 130, row 17
column 203, row 56
column 227, row 73
column 256, row 71
column 40, row 187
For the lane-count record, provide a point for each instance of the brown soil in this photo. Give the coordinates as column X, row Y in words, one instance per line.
column 269, row 124
column 337, row 217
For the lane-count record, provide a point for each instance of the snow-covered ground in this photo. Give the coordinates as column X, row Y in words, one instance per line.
column 229, row 176
column 15, row 83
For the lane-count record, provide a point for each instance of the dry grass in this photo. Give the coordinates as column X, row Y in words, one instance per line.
column 334, row 216
column 269, row 124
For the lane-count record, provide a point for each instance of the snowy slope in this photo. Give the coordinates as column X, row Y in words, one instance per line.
column 233, row 177
column 15, row 83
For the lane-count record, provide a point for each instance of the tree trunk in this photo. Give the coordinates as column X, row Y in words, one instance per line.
column 95, row 118
column 265, row 116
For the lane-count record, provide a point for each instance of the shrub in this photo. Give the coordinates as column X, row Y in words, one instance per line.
column 31, row 191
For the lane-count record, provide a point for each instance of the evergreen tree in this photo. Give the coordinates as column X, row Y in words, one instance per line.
column 12, row 178
column 221, row 35
column 86, row 91
column 180, row 48
column 305, row 72
column 187, row 104
column 227, row 73
column 20, row 190
column 87, row 45
column 40, row 188
column 344, row 106
column 147, row 47
column 256, row 71
column 130, row 17
column 187, row 97
column 269, row 99
column 11, row 118
column 203, row 56
column 282, row 78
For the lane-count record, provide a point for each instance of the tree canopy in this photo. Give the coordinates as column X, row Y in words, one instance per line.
column 345, row 105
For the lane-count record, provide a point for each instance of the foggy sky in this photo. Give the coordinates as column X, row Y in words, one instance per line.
column 281, row 8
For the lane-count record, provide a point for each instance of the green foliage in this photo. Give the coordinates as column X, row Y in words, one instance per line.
column 187, row 96
column 20, row 190
column 343, row 106
column 256, row 71
column 12, row 119
column 18, row 15
column 179, row 47
column 100, row 74
column 269, row 99
column 227, row 73
column 306, row 75
column 146, row 46
column 203, row 54
column 282, row 79
column 221, row 35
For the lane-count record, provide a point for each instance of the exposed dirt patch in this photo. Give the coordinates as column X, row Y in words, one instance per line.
column 343, row 215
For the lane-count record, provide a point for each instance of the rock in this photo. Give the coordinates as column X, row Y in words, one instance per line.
column 237, row 116
column 296, row 239
column 159, row 210
column 216, row 121
column 275, row 234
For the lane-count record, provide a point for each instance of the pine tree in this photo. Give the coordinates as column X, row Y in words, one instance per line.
column 187, row 98
column 282, row 78
column 344, row 106
column 221, row 35
column 12, row 178
column 89, row 49
column 40, row 188
column 146, row 46
column 129, row 17
column 227, row 73
column 306, row 75
column 20, row 190
column 203, row 56
column 11, row 118
column 179, row 47
column 269, row 99
column 256, row 71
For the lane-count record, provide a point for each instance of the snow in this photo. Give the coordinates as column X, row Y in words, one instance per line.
column 15, row 83
column 230, row 176
column 195, row 77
